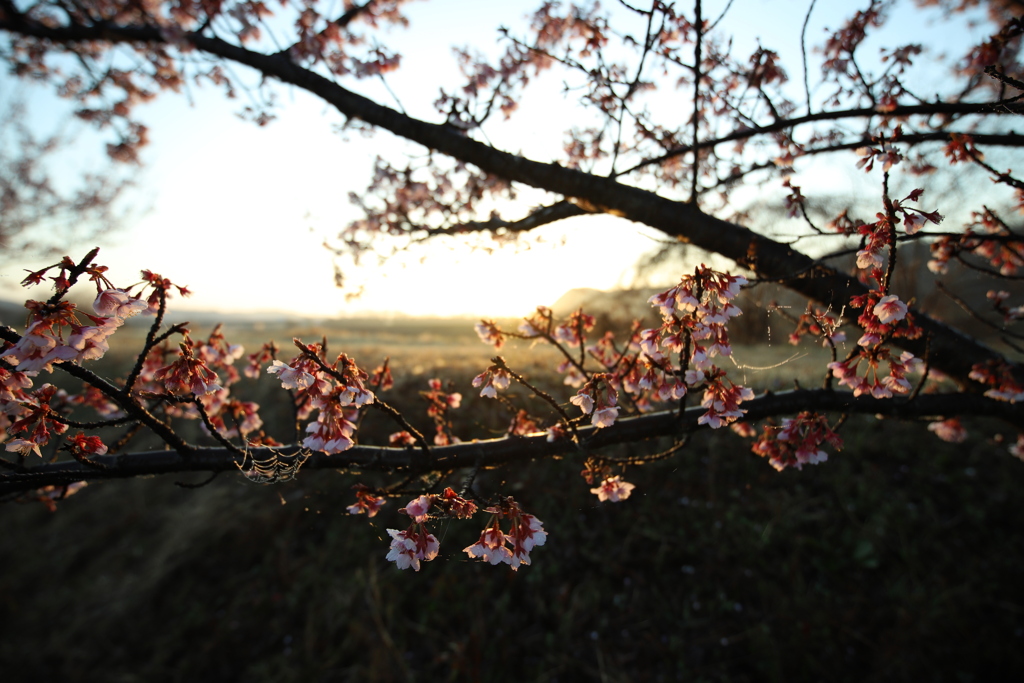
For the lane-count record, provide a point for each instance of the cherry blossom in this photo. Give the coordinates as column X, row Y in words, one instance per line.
column 949, row 430
column 797, row 442
column 722, row 403
column 188, row 374
column 890, row 309
column 492, row 379
column 366, row 503
column 332, row 431
column 599, row 398
column 86, row 445
column 1017, row 449
column 605, row 417
column 490, row 334
column 23, row 447
column 454, row 505
column 118, row 303
column 613, row 489
column 998, row 376
column 583, row 401
column 37, row 350
column 417, row 509
column 491, row 547
column 525, row 533
column 408, row 548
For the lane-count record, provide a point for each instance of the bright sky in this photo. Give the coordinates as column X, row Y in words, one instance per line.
column 238, row 213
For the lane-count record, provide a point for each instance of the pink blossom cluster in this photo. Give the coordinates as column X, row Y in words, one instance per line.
column 336, row 391
column 1000, row 380
column 490, row 333
column 987, row 237
column 998, row 299
column 1017, row 449
column 454, row 505
column 878, row 236
column 366, row 502
column 797, row 442
column 413, row 545
column 36, row 421
column 872, row 382
column 695, row 314
column 722, row 399
column 56, row 333
column 949, row 430
column 882, row 317
column 440, row 401
column 598, row 398
column 188, row 374
column 522, row 424
column 513, row 546
column 492, row 379
column 613, row 489
column 410, row 546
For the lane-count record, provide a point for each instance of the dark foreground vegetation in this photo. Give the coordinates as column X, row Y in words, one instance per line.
column 898, row 559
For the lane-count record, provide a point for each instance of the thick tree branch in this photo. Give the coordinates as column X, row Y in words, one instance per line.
column 495, row 452
column 952, row 352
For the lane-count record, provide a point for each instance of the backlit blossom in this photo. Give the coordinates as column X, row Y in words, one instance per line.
column 798, row 441
column 949, row 430
column 118, row 303
column 1017, row 449
column 890, row 309
column 87, row 445
column 585, row 403
column 527, row 532
column 188, row 374
column 408, row 548
column 332, row 431
column 492, row 379
column 417, row 509
column 23, row 447
column 366, row 503
column 599, row 397
column 37, row 350
column 613, row 489
column 605, row 417
column 291, row 378
column 490, row 333
column 491, row 547
column 722, row 403
column 512, row 547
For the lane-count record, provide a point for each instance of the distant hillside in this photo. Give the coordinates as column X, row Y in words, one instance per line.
column 619, row 305
column 11, row 313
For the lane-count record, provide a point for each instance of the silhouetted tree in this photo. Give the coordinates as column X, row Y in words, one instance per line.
column 675, row 124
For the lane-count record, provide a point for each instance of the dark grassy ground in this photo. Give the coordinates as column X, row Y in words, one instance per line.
column 898, row 559
column 901, row 561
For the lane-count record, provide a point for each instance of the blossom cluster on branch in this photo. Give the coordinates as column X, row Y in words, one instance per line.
column 732, row 117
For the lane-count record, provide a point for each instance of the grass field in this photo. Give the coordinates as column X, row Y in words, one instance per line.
column 898, row 559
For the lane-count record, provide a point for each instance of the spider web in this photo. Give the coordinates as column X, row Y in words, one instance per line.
column 272, row 470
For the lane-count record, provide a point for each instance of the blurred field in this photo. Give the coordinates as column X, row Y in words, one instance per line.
column 898, row 559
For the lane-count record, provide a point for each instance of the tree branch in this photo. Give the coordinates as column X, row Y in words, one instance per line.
column 953, row 352
column 495, row 452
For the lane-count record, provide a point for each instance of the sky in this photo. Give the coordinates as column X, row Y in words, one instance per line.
column 238, row 213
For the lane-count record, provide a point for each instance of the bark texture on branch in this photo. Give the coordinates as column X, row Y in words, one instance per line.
column 495, row 452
